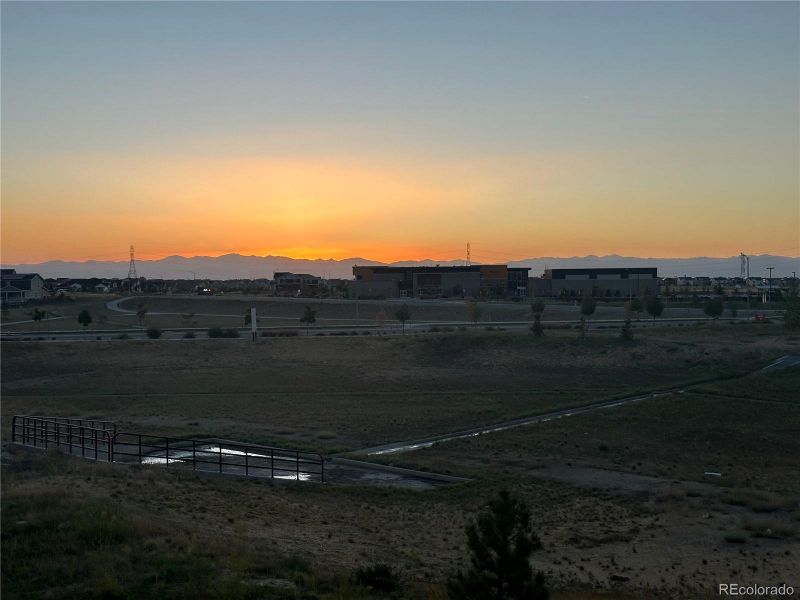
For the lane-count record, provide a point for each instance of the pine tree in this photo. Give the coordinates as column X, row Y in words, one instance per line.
column 501, row 543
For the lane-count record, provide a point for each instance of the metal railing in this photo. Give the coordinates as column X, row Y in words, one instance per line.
column 90, row 423
column 100, row 440
column 43, row 432
column 250, row 460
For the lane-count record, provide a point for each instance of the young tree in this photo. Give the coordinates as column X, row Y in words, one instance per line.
column 791, row 315
column 713, row 308
column 380, row 317
column 588, row 306
column 654, row 306
column 84, row 318
column 309, row 317
column 500, row 543
column 734, row 309
column 37, row 315
column 473, row 311
column 537, row 308
column 636, row 305
column 141, row 313
column 536, row 327
column 403, row 315
column 626, row 333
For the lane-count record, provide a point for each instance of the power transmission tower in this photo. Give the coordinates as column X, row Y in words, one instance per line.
column 133, row 278
column 745, row 260
column 468, row 257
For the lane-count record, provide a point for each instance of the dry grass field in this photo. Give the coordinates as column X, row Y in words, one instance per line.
column 619, row 495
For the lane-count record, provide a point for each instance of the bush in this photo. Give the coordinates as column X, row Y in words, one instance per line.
column 154, row 333
column 626, row 333
column 218, row 332
column 189, row 335
column 290, row 333
column 121, row 336
column 380, row 577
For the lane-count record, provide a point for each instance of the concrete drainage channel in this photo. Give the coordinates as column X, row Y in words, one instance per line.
column 100, row 441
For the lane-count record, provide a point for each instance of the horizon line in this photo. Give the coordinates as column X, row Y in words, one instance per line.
column 355, row 258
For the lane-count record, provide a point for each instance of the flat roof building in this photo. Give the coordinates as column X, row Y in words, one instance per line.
column 621, row 282
column 467, row 281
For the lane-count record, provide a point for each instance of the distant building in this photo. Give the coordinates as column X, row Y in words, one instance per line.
column 19, row 288
column 296, row 284
column 600, row 283
column 469, row 281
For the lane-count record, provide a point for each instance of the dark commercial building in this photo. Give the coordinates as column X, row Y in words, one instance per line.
column 601, row 283
column 468, row 281
column 295, row 284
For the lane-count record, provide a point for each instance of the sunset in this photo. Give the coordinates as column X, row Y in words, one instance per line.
column 392, row 131
column 400, row 300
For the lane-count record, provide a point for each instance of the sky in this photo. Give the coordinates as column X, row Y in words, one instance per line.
column 395, row 131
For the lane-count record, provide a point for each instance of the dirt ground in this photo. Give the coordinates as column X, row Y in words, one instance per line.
column 620, row 496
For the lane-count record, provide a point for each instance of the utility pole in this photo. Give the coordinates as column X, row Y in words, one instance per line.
column 468, row 256
column 769, row 288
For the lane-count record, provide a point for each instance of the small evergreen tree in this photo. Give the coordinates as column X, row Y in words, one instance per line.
column 84, row 318
column 500, row 543
column 309, row 317
column 141, row 314
column 654, row 306
column 403, row 315
column 713, row 308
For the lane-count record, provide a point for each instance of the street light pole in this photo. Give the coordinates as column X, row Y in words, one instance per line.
column 769, row 288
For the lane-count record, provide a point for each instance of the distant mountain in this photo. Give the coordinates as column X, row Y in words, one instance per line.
column 237, row 266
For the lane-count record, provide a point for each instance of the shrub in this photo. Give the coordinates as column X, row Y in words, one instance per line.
column 379, row 576
column 735, row 537
column 626, row 333
column 189, row 335
column 121, row 336
column 215, row 332
column 154, row 333
column 230, row 333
